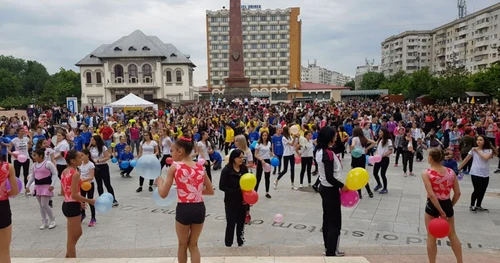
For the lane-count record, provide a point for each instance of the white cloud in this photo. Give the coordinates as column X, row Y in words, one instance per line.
column 339, row 33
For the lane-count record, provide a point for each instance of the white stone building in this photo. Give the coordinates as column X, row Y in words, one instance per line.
column 316, row 74
column 138, row 64
column 472, row 41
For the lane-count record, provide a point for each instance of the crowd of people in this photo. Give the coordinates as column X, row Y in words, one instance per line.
column 76, row 148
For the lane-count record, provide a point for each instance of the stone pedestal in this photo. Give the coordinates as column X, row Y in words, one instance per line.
column 237, row 87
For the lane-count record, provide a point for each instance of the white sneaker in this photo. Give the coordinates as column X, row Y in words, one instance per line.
column 275, row 184
column 43, row 226
column 300, row 186
column 294, row 188
column 52, row 224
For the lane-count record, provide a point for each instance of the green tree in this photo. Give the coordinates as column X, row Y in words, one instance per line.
column 14, row 65
column 397, row 83
column 372, row 80
column 452, row 82
column 421, row 83
column 34, row 77
column 10, row 85
column 487, row 81
column 350, row 84
column 65, row 83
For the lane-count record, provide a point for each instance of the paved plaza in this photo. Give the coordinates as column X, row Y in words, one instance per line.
column 389, row 224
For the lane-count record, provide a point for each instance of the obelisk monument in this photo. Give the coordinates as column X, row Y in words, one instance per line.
column 237, row 85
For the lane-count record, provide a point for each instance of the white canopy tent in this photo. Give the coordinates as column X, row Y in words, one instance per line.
column 131, row 100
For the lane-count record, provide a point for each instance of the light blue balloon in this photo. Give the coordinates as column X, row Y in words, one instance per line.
column 35, row 140
column 149, row 167
column 357, row 152
column 367, row 159
column 124, row 164
column 114, row 160
column 133, row 163
column 108, row 196
column 103, row 205
column 170, row 199
column 253, row 145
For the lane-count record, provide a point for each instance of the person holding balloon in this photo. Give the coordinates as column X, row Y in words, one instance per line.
column 87, row 172
column 306, row 152
column 384, row 150
column 330, row 190
column 166, row 147
column 192, row 183
column 73, row 201
column 148, row 147
column 439, row 182
column 277, row 142
column 124, row 161
column 8, row 187
column 289, row 144
column 235, row 207
column 204, row 150
column 21, row 143
column 360, row 145
column 61, row 147
column 100, row 155
column 44, row 176
column 263, row 153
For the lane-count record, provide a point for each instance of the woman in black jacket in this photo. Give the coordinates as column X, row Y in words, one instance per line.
column 235, row 207
column 329, row 187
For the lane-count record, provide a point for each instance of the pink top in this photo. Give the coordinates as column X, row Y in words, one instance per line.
column 41, row 172
column 66, row 179
column 4, row 176
column 441, row 184
column 189, row 182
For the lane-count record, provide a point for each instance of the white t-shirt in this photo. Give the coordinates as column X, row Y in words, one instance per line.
column 480, row 166
column 148, row 148
column 21, row 145
column 165, row 147
column 264, row 150
column 48, row 154
column 60, row 148
column 95, row 153
column 321, row 168
column 204, row 151
column 287, row 149
column 85, row 170
column 381, row 150
column 357, row 143
column 307, row 149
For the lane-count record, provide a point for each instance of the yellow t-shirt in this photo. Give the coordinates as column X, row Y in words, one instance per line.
column 229, row 135
column 343, row 136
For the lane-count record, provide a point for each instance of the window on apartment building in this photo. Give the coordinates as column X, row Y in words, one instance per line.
column 213, row 28
column 273, row 54
column 263, row 45
column 283, row 36
column 132, row 73
column 214, row 38
column 98, row 77
column 283, row 54
column 263, row 18
column 253, row 18
column 273, row 27
column 263, row 37
column 253, row 28
column 273, row 72
column 283, row 27
column 224, row 19
column 263, row 54
column 283, row 72
column 169, row 75
column 263, row 81
column 284, row 45
column 213, row 19
column 254, row 37
column 254, row 73
column 274, row 18
column 214, row 46
column 147, row 73
column 216, row 82
column 225, row 29
column 274, row 45
column 263, row 27
column 273, row 36
column 283, row 63
column 254, row 46
column 88, row 76
column 263, row 72
column 224, row 73
column 283, row 80
column 225, row 55
column 272, row 63
column 254, row 81
column 224, row 46
column 253, row 55
column 283, row 18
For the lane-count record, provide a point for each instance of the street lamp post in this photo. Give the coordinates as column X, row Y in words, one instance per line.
column 92, row 104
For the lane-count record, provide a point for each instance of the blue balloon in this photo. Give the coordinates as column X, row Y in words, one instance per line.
column 357, row 152
column 35, row 140
column 133, row 163
column 124, row 164
column 367, row 157
column 148, row 166
column 6, row 140
column 275, row 162
column 103, row 205
column 170, row 199
column 114, row 160
column 253, row 145
column 108, row 196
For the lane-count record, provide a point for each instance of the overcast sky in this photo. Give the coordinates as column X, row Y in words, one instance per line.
column 340, row 34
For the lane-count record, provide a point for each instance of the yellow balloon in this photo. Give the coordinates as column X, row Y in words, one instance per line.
column 357, row 178
column 113, row 145
column 248, row 181
column 86, row 186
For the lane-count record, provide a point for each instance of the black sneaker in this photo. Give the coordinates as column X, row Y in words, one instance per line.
column 50, row 203
column 151, row 189
column 472, row 209
column 115, row 203
column 497, row 171
column 122, row 174
column 139, row 189
column 315, row 173
column 268, row 195
column 480, row 209
column 370, row 194
column 315, row 187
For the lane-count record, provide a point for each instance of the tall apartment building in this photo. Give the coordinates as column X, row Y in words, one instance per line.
column 316, row 74
column 472, row 41
column 272, row 49
column 362, row 70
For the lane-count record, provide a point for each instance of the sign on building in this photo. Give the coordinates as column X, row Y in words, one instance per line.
column 72, row 103
column 107, row 110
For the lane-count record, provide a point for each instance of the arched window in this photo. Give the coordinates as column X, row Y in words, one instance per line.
column 98, row 77
column 132, row 74
column 178, row 76
column 88, row 76
column 169, row 76
column 147, row 74
column 118, row 74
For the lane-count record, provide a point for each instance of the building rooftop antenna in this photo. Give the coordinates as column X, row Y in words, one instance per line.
column 462, row 8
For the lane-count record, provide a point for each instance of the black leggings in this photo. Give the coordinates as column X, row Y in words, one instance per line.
column 164, row 160
column 280, row 157
column 306, row 165
column 60, row 168
column 90, row 195
column 141, row 181
column 382, row 164
column 288, row 159
column 208, row 170
column 235, row 218
column 260, row 170
column 26, row 170
column 102, row 174
column 480, row 185
column 399, row 151
column 468, row 165
column 332, row 218
column 407, row 161
column 227, row 146
column 316, row 163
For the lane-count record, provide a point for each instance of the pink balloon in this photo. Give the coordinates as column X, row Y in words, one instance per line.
column 267, row 168
column 22, row 158
column 16, row 152
column 377, row 158
column 278, row 218
column 371, row 159
column 349, row 198
column 201, row 161
column 298, row 160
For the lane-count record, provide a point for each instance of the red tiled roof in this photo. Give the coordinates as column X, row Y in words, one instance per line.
column 315, row 86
